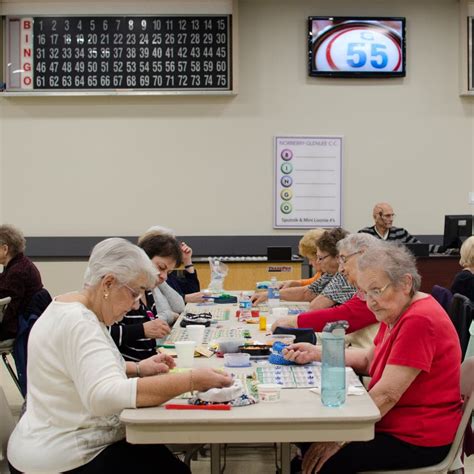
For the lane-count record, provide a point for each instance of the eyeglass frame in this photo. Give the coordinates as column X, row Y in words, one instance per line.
column 320, row 259
column 343, row 259
column 374, row 294
column 387, row 216
column 133, row 293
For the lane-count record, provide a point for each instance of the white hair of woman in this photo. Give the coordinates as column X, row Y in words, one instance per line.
column 355, row 243
column 395, row 260
column 160, row 230
column 120, row 258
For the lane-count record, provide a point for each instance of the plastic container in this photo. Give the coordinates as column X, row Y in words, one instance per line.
column 229, row 345
column 273, row 293
column 333, row 370
column 269, row 392
column 237, row 360
column 245, row 306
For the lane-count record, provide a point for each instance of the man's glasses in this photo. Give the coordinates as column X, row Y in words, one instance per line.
column 135, row 295
column 320, row 258
column 344, row 258
column 387, row 216
column 374, row 294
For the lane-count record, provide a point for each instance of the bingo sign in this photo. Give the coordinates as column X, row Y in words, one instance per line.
column 357, row 47
column 308, row 175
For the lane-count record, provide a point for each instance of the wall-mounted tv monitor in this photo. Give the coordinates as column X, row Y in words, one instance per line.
column 457, row 228
column 356, row 46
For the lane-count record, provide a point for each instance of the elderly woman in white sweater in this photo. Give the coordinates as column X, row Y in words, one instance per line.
column 78, row 383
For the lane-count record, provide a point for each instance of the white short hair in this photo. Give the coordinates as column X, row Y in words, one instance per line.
column 357, row 242
column 120, row 258
column 160, row 230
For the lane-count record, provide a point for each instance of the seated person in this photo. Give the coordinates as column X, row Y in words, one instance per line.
column 464, row 281
column 362, row 322
column 186, row 285
column 329, row 290
column 78, row 383
column 415, row 368
column 383, row 229
column 307, row 249
column 135, row 335
column 165, row 253
column 20, row 279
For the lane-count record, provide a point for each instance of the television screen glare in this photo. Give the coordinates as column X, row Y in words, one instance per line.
column 358, row 47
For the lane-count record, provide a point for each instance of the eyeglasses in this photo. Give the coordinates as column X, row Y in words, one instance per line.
column 320, row 259
column 344, row 258
column 135, row 295
column 374, row 294
column 387, row 216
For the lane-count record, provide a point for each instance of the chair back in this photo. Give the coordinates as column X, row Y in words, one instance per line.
column 39, row 302
column 443, row 296
column 461, row 314
column 6, row 427
column 3, row 306
column 467, row 391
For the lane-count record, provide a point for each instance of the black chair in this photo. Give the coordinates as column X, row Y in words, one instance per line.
column 6, row 347
column 461, row 314
column 38, row 303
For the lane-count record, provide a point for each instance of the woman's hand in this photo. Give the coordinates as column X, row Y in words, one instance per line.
column 302, row 353
column 197, row 297
column 259, row 297
column 156, row 329
column 204, row 379
column 285, row 284
column 286, row 322
column 317, row 455
column 157, row 364
column 187, row 252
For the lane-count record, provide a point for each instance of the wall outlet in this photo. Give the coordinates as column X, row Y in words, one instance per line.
column 471, row 197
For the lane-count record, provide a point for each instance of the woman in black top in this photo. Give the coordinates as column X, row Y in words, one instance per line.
column 464, row 281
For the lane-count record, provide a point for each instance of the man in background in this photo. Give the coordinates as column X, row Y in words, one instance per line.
column 383, row 229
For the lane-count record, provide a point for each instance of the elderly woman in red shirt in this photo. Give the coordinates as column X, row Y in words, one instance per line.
column 415, row 368
column 20, row 278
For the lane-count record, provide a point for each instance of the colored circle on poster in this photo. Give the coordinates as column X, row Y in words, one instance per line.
column 286, row 181
column 286, row 168
column 286, row 207
column 286, row 154
column 286, row 194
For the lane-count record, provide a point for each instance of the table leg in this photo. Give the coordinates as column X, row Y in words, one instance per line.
column 216, row 458
column 285, row 453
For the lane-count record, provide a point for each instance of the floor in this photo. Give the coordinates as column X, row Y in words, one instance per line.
column 240, row 459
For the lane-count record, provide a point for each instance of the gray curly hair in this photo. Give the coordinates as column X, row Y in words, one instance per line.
column 395, row 260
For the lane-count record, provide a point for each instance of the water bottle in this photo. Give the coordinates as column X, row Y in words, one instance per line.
column 273, row 294
column 333, row 371
column 245, row 306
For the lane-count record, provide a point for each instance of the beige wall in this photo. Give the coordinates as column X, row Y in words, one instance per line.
column 204, row 165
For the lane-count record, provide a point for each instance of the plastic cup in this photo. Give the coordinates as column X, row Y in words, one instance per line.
column 279, row 312
column 185, row 353
column 195, row 332
column 229, row 345
column 269, row 392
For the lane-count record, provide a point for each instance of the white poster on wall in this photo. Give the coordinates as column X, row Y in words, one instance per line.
column 308, row 182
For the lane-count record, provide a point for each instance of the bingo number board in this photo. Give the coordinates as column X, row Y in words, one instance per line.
column 119, row 53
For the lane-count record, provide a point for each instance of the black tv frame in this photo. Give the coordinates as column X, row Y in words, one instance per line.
column 356, row 74
column 455, row 233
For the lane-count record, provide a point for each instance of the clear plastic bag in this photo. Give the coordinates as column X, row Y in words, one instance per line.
column 219, row 271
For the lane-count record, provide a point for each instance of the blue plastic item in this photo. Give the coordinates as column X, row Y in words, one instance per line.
column 276, row 357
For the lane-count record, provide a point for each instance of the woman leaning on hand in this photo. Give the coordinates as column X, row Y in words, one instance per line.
column 78, row 383
column 415, row 369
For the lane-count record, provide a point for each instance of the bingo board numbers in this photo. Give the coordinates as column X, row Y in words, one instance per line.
column 79, row 53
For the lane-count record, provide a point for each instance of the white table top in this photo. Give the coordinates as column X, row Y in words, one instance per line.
column 298, row 416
